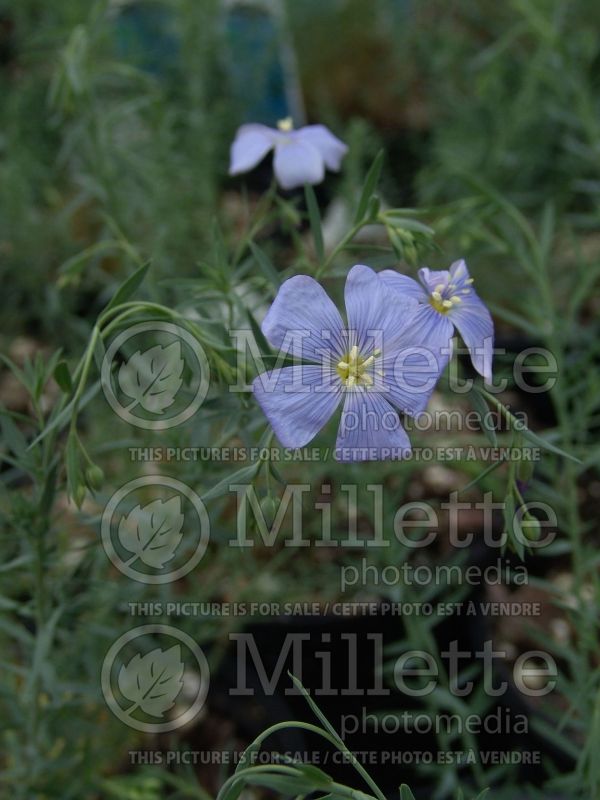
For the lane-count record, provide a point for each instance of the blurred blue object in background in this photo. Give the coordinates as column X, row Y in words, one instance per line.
column 146, row 36
column 259, row 60
column 261, row 63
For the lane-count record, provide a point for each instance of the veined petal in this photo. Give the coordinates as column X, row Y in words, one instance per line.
column 475, row 325
column 430, row 278
column 374, row 321
column 297, row 401
column 304, row 319
column 413, row 365
column 370, row 429
column 403, row 285
column 297, row 162
column 251, row 144
column 459, row 273
column 331, row 148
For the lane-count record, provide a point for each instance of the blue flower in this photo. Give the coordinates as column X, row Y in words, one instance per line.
column 384, row 360
column 300, row 155
column 448, row 300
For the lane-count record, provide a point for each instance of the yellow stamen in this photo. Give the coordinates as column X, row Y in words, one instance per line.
column 442, row 304
column 286, row 125
column 354, row 369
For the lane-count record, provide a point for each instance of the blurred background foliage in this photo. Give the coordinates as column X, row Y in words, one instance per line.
column 111, row 112
column 115, row 125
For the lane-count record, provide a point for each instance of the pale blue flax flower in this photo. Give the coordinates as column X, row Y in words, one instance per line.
column 301, row 156
column 386, row 359
column 447, row 300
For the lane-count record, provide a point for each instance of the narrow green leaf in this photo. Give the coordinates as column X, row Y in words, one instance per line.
column 483, row 475
column 316, row 710
column 246, row 758
column 545, row 445
column 412, row 225
column 73, row 466
column 314, row 217
column 62, row 418
column 319, row 778
column 99, row 353
column 262, row 343
column 287, row 785
column 510, row 521
column 233, row 792
column 63, row 377
column 371, row 182
column 72, row 266
column 13, row 436
column 405, row 793
column 128, row 287
column 264, row 262
column 519, row 426
column 241, row 476
column 482, row 409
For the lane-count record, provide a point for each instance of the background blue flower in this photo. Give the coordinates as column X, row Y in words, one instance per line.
column 301, row 156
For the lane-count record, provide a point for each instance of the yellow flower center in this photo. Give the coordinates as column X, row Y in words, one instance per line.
column 354, row 368
column 286, row 125
column 443, row 298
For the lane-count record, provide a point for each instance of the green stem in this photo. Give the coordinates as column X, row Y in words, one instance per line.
column 322, row 268
column 334, row 740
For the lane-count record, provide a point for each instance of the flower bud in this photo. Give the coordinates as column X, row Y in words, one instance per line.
column 79, row 495
column 94, row 477
column 530, row 526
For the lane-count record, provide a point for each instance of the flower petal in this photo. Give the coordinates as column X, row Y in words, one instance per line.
column 475, row 325
column 303, row 314
column 297, row 401
column 331, row 148
column 297, row 162
column 431, row 278
column 251, row 144
column 459, row 273
column 405, row 286
column 373, row 321
column 413, row 365
column 370, row 429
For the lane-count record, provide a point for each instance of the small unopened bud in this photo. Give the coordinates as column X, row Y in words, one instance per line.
column 530, row 527
column 79, row 495
column 94, row 477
